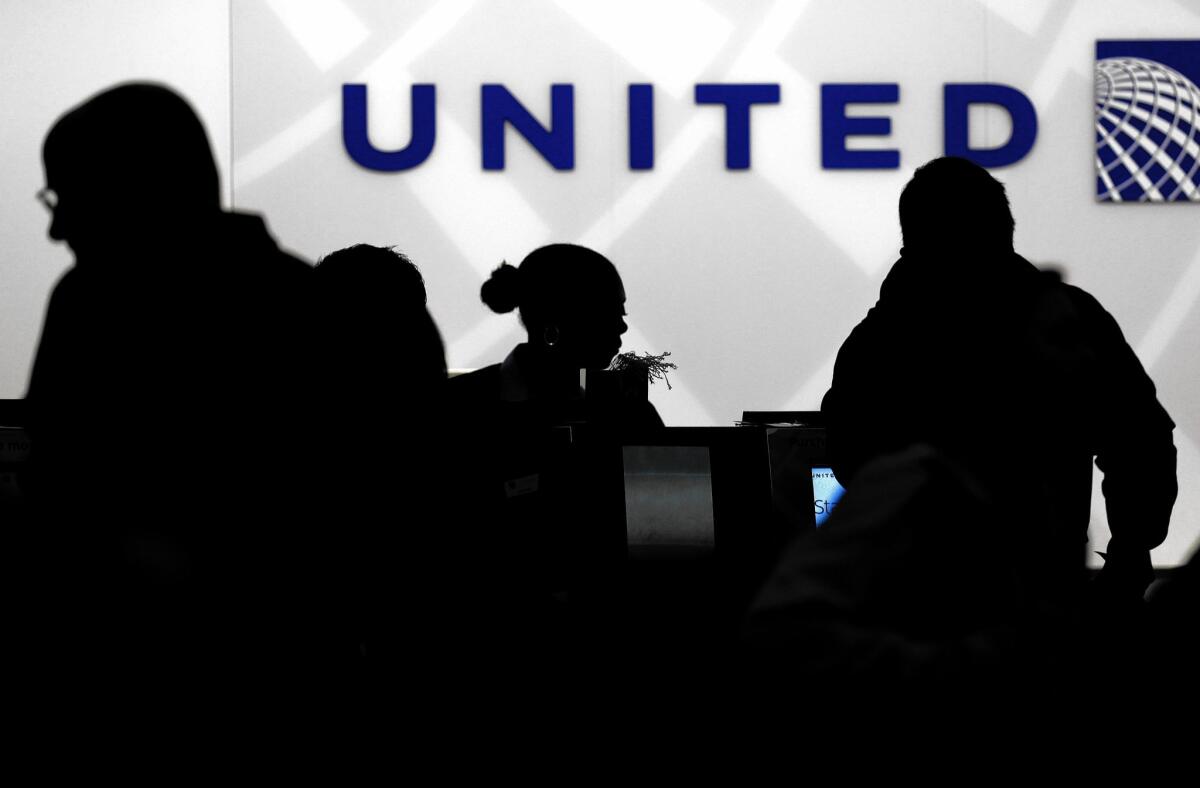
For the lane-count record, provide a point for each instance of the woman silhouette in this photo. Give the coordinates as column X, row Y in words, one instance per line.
column 572, row 304
column 541, row 515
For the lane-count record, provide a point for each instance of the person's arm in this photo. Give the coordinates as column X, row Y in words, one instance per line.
column 1136, row 453
column 854, row 430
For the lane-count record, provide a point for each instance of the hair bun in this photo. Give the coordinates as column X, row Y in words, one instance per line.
column 502, row 291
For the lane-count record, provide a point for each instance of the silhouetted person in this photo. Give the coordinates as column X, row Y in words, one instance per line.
column 537, row 515
column 383, row 374
column 1021, row 379
column 353, row 269
column 376, row 329
column 964, row 416
column 572, row 304
column 165, row 397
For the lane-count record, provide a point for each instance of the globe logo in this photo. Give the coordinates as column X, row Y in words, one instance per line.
column 1147, row 132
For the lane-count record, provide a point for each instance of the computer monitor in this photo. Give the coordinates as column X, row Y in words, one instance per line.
column 778, row 418
column 668, row 498
column 695, row 491
column 827, row 493
column 700, row 535
column 799, row 466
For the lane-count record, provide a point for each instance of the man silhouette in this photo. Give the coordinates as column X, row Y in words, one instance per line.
column 1021, row 379
column 164, row 393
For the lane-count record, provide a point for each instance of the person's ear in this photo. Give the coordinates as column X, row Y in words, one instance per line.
column 551, row 335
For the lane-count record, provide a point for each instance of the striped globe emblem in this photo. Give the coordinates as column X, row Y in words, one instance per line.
column 1147, row 135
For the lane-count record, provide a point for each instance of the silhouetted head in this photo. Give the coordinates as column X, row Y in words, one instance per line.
column 368, row 273
column 377, row 337
column 952, row 206
column 130, row 163
column 571, row 300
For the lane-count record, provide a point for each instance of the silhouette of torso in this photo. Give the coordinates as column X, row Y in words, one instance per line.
column 1023, row 380
column 165, row 396
column 385, row 474
column 540, row 509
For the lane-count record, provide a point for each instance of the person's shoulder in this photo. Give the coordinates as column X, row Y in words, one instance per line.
column 1078, row 304
column 478, row 384
column 293, row 266
column 1081, row 299
column 249, row 234
column 475, row 377
column 287, row 266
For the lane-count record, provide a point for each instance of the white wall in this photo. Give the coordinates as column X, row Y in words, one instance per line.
column 751, row 279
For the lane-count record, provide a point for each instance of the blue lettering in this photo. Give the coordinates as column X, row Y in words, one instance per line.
column 835, row 126
column 358, row 144
column 556, row 144
column 958, row 97
column 641, row 127
column 737, row 100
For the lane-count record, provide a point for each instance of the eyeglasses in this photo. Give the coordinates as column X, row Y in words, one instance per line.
column 48, row 198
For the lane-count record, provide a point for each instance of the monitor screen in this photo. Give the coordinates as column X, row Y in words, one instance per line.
column 826, row 493
column 668, row 497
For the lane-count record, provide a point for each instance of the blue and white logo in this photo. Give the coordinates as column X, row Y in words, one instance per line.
column 1147, row 128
